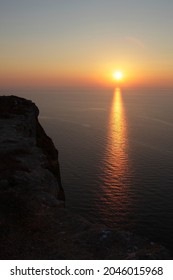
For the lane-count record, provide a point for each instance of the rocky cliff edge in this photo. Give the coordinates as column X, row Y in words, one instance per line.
column 33, row 221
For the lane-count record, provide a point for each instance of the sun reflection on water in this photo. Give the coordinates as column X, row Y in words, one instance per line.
column 117, row 136
column 116, row 173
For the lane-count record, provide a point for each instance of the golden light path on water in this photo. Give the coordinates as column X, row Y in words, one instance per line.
column 116, row 174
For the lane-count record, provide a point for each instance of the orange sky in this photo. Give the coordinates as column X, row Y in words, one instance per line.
column 56, row 45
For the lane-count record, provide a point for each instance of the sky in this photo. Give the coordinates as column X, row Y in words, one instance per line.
column 73, row 42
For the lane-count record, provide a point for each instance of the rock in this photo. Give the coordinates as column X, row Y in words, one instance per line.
column 29, row 170
column 33, row 221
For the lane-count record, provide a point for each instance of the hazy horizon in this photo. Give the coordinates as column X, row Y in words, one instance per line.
column 80, row 44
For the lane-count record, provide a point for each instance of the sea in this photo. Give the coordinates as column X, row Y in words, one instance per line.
column 116, row 154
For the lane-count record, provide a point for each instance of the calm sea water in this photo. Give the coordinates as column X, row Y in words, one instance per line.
column 116, row 155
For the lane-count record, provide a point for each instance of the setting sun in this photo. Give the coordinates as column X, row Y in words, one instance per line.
column 118, row 75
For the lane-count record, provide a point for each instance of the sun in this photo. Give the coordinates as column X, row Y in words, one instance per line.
column 118, row 75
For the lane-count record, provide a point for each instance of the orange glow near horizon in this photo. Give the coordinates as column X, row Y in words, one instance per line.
column 45, row 72
column 42, row 49
column 99, row 76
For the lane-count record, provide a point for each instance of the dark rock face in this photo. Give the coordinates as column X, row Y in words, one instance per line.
column 33, row 221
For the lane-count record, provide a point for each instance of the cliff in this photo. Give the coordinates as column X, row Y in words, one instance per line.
column 33, row 221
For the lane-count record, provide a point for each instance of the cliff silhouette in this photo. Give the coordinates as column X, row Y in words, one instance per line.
column 34, row 223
